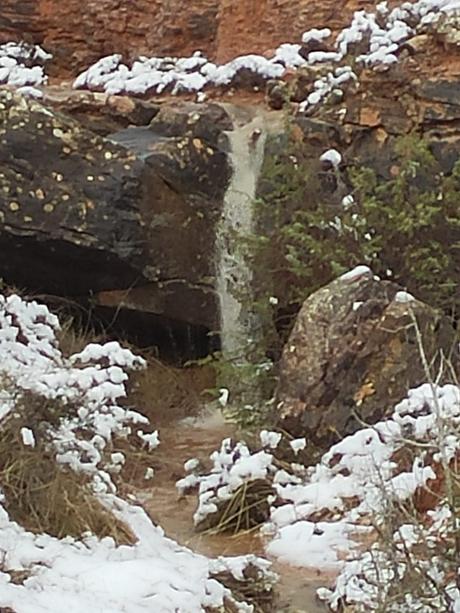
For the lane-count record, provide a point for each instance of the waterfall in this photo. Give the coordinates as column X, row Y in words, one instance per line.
column 234, row 276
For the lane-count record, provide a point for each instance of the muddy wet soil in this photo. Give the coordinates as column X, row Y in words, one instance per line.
column 197, row 438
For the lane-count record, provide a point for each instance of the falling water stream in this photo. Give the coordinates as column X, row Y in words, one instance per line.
column 187, row 439
column 234, row 275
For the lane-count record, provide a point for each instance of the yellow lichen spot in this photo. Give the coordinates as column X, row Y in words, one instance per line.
column 198, row 144
column 67, row 150
column 40, row 194
column 101, row 178
column 82, row 212
column 27, row 219
column 127, row 167
column 57, row 133
column 14, row 206
column 59, row 177
column 90, row 178
column 364, row 392
column 90, row 204
column 48, row 208
column 210, row 151
column 6, row 189
column 65, row 197
column 108, row 155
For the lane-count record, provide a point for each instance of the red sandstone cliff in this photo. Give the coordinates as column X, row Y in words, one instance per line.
column 78, row 32
column 247, row 26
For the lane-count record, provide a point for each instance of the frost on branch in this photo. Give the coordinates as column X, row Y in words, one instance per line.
column 88, row 386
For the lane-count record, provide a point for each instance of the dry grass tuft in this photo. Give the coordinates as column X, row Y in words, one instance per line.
column 256, row 589
column 42, row 496
column 73, row 337
column 247, row 509
column 166, row 394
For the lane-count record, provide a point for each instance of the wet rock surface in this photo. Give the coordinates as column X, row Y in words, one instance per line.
column 352, row 354
column 132, row 220
column 68, row 202
column 98, row 112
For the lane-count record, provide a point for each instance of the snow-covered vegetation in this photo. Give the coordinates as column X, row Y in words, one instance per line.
column 372, row 40
column 380, row 508
column 391, row 486
column 22, row 66
column 65, row 412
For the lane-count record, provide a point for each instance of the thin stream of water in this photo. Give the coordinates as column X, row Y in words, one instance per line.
column 180, row 442
column 234, row 275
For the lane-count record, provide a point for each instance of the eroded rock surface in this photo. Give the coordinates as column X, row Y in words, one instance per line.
column 352, row 355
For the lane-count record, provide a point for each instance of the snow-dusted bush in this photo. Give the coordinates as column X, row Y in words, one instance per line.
column 22, row 66
column 235, row 495
column 88, row 386
column 409, row 495
column 372, row 39
column 66, row 411
column 237, row 492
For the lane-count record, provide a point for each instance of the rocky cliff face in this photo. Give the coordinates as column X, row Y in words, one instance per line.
column 79, row 32
column 359, row 102
column 260, row 25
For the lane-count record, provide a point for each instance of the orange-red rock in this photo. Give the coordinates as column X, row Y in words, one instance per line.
column 78, row 32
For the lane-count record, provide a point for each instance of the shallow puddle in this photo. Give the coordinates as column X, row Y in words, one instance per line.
column 197, row 439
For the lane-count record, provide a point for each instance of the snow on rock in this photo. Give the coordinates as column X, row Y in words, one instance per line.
column 404, row 297
column 150, row 440
column 320, row 541
column 353, row 485
column 326, row 84
column 30, row 92
column 28, row 437
column 21, row 66
column 156, row 75
column 315, row 35
column 270, row 439
column 288, row 55
column 332, row 156
column 356, row 273
column 298, row 444
column 154, row 574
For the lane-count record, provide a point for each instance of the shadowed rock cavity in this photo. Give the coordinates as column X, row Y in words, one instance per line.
column 127, row 221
